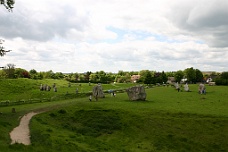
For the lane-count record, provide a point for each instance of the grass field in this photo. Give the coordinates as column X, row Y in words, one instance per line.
column 17, row 91
column 167, row 121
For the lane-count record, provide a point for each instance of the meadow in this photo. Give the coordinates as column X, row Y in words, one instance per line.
column 167, row 121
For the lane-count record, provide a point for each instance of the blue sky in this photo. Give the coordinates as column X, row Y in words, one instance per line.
column 79, row 36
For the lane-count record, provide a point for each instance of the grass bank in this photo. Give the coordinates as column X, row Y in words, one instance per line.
column 167, row 121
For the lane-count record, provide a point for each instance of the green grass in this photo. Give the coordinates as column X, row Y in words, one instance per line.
column 167, row 121
column 19, row 91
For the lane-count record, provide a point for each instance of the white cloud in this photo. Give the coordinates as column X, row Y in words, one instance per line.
column 131, row 35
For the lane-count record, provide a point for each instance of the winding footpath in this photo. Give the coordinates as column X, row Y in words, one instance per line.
column 21, row 134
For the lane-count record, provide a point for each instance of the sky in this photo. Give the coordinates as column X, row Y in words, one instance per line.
column 111, row 35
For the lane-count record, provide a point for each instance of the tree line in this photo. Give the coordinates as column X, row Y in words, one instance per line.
column 189, row 75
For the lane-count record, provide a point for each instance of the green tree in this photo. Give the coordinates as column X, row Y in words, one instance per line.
column 178, row 75
column 93, row 77
column 170, row 74
column 224, row 75
column 87, row 74
column 9, row 70
column 121, row 72
column 21, row 73
column 133, row 73
column 224, row 78
column 199, row 75
column 142, row 74
column 120, row 79
column 32, row 71
column 102, row 77
column 127, row 77
column 110, row 77
column 58, row 75
column 82, row 77
column 190, row 75
column 76, row 76
column 2, row 74
column 148, row 79
column 164, row 78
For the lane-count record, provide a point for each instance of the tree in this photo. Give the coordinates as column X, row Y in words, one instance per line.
column 9, row 70
column 164, row 77
column 148, row 78
column 76, row 76
column 142, row 74
column 2, row 49
column 32, row 71
column 21, row 73
column 8, row 4
column 199, row 75
column 93, row 77
column 190, row 74
column 87, row 74
column 224, row 77
column 179, row 75
column 158, row 77
column 170, row 74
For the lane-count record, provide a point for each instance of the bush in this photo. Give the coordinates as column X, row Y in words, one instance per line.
column 220, row 81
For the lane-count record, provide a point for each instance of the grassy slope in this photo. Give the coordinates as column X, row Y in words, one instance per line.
column 115, row 124
column 24, row 89
column 167, row 121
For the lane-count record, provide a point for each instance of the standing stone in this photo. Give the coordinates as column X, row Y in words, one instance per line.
column 136, row 93
column 186, row 87
column 98, row 92
column 202, row 89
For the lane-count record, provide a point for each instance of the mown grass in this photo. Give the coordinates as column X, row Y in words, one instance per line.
column 167, row 121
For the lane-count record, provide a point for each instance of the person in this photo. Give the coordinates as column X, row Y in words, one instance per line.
column 204, row 90
column 90, row 98
column 76, row 90
column 113, row 94
column 177, row 87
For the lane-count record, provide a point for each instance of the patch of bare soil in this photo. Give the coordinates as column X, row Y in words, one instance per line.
column 21, row 134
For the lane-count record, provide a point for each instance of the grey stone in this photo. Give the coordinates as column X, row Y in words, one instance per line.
column 98, row 91
column 136, row 93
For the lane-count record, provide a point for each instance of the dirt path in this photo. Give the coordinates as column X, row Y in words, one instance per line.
column 21, row 134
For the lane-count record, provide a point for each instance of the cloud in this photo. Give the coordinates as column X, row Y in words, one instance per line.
column 204, row 19
column 42, row 25
column 79, row 36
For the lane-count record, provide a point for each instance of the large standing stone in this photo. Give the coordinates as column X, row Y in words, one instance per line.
column 136, row 93
column 98, row 92
column 202, row 89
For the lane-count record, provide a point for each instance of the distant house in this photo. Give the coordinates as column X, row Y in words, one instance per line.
column 171, row 80
column 209, row 80
column 135, row 78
